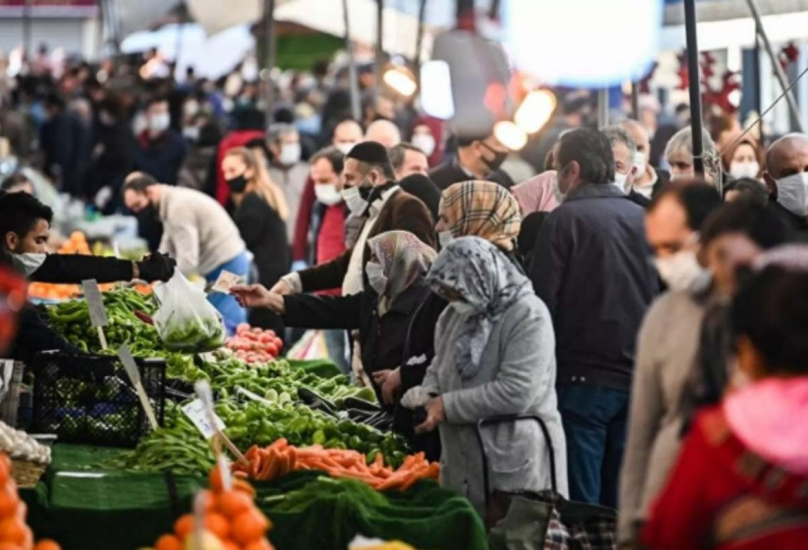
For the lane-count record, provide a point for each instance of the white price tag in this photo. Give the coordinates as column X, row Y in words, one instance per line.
column 196, row 413
column 208, row 357
column 134, row 375
column 225, row 282
column 98, row 315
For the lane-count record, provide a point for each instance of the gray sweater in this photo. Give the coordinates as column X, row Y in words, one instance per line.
column 197, row 231
column 666, row 354
column 517, row 376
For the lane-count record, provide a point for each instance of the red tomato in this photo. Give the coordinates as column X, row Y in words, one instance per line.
column 256, row 330
column 272, row 350
column 278, row 344
column 267, row 338
column 242, row 327
column 270, row 332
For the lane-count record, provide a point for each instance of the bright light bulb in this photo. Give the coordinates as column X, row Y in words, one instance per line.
column 400, row 80
column 535, row 110
column 510, row 135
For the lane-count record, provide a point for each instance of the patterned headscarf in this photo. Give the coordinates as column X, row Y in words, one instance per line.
column 404, row 259
column 487, row 280
column 481, row 209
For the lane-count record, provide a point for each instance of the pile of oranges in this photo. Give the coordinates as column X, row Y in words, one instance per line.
column 76, row 244
column 231, row 520
column 14, row 533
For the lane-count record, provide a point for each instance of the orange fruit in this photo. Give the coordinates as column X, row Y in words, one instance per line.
column 226, row 544
column 47, row 544
column 22, row 510
column 183, row 526
column 249, row 526
column 244, row 487
column 260, row 544
column 233, row 503
column 13, row 529
column 9, row 546
column 217, row 524
column 8, row 503
column 215, row 480
column 166, row 542
column 208, row 500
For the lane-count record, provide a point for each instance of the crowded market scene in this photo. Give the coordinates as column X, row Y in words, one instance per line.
column 403, row 274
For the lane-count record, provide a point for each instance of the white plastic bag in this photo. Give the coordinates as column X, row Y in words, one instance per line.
column 186, row 321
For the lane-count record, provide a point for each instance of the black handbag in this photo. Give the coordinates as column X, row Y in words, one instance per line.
column 542, row 520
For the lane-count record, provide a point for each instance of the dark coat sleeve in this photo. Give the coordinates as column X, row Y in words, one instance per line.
column 326, row 276
column 323, row 312
column 75, row 268
column 33, row 336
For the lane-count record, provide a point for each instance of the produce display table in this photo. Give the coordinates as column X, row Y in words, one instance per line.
column 84, row 508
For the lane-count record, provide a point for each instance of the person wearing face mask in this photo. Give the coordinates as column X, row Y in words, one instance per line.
column 679, row 155
column 25, row 229
column 347, row 134
column 259, row 213
column 743, row 160
column 786, row 177
column 427, row 135
column 286, row 169
column 408, row 159
column 377, row 205
column 478, row 158
column 197, row 231
column 114, row 154
column 493, row 357
column 65, row 145
column 625, row 152
column 739, row 480
column 327, row 238
column 395, row 271
column 590, row 266
column 162, row 150
column 647, row 180
column 681, row 350
column 199, row 168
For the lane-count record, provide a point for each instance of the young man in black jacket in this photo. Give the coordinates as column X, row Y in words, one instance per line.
column 478, row 158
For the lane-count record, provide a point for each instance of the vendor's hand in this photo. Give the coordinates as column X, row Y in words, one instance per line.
column 281, row 288
column 435, row 414
column 390, row 382
column 156, row 267
column 252, row 296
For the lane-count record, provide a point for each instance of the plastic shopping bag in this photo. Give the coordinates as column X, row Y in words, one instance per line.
column 186, row 321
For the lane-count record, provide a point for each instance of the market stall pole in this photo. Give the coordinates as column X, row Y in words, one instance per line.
column 379, row 62
column 353, row 78
column 778, row 70
column 603, row 108
column 269, row 52
column 693, row 85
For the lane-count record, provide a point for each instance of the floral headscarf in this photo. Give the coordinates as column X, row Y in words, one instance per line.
column 481, row 209
column 487, row 280
column 404, row 259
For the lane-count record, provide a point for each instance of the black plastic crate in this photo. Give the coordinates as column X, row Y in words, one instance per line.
column 89, row 399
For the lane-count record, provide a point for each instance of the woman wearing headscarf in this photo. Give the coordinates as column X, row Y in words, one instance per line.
column 420, row 186
column 395, row 275
column 495, row 355
column 481, row 209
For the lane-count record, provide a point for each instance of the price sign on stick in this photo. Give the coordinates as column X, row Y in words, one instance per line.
column 95, row 303
column 134, row 375
column 197, row 413
column 205, row 395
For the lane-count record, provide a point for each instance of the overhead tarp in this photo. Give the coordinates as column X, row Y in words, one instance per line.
column 136, row 15
column 400, row 28
column 729, row 23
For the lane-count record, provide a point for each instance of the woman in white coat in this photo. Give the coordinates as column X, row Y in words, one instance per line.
column 494, row 356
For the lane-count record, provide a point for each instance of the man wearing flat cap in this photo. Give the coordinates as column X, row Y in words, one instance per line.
column 377, row 205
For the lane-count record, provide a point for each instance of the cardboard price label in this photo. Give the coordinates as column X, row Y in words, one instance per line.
column 98, row 315
column 196, row 413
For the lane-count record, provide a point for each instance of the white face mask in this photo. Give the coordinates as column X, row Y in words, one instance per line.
column 191, row 133
column 376, row 277
column 620, row 181
column 290, row 154
column 444, row 238
column 327, row 194
column 28, row 262
column 345, row 147
column 463, row 308
column 159, row 123
column 641, row 162
column 425, row 142
column 792, row 193
column 679, row 270
column 356, row 204
column 740, row 170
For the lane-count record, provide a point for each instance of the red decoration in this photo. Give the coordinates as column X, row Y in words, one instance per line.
column 710, row 96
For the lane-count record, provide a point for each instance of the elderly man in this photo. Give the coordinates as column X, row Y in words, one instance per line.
column 347, row 134
column 625, row 163
column 286, row 169
column 478, row 158
column 647, row 181
column 590, row 267
column 407, row 159
column 384, row 132
column 786, row 177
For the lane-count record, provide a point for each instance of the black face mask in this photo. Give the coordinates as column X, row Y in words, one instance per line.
column 149, row 212
column 237, row 184
column 496, row 162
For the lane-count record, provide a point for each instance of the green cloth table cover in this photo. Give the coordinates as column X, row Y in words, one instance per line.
column 89, row 509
